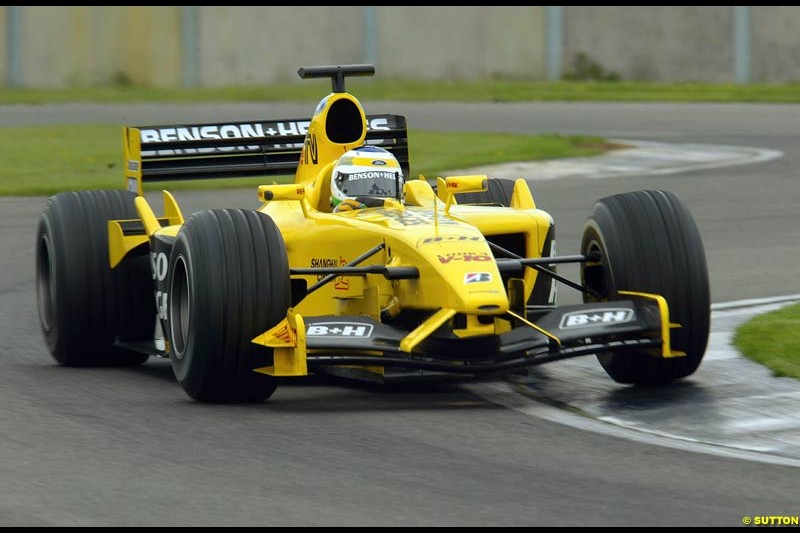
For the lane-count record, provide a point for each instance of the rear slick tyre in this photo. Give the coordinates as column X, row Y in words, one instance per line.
column 85, row 306
column 498, row 193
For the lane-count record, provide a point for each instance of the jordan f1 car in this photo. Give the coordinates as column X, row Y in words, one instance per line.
column 454, row 277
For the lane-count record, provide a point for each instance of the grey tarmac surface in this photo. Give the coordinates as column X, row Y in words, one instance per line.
column 126, row 446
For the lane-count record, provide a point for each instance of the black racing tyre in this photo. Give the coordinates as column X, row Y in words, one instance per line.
column 85, row 306
column 498, row 193
column 228, row 282
column 647, row 241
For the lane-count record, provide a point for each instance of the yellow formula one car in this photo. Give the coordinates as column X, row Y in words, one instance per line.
column 354, row 268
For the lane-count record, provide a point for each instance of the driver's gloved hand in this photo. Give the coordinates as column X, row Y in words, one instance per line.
column 348, row 205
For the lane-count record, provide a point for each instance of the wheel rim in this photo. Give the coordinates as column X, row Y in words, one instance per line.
column 594, row 273
column 45, row 283
column 179, row 308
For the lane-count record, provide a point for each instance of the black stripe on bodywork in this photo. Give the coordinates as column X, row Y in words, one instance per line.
column 544, row 283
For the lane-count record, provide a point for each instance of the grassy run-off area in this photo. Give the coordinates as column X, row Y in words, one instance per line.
column 41, row 160
column 773, row 339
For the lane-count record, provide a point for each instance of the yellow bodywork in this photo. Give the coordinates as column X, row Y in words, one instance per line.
column 119, row 244
column 445, row 241
column 663, row 309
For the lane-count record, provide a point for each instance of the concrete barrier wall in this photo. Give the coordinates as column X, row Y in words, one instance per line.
column 656, row 43
column 462, row 42
column 149, row 44
column 776, row 44
column 170, row 46
column 256, row 45
column 87, row 45
column 3, row 51
column 81, row 45
column 251, row 45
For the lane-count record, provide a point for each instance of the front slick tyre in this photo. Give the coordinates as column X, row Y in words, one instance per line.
column 228, row 282
column 648, row 242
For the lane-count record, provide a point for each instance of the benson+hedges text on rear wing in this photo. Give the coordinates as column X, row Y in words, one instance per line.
column 236, row 149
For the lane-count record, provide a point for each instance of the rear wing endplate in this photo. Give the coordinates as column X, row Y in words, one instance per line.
column 236, row 149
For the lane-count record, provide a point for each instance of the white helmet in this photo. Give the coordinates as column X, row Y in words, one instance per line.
column 366, row 172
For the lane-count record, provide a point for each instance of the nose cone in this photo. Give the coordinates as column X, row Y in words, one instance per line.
column 468, row 270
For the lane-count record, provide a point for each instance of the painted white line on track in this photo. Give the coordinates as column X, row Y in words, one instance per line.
column 641, row 158
column 753, row 302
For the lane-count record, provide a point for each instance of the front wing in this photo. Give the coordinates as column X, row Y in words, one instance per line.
column 305, row 343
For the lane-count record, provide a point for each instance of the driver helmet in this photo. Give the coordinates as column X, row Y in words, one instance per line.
column 365, row 173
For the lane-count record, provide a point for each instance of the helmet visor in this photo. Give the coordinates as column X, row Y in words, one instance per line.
column 383, row 183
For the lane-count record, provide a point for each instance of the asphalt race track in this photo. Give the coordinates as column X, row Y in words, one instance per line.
column 126, row 447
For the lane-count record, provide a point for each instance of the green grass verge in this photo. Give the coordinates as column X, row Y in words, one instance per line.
column 773, row 339
column 43, row 160
column 459, row 91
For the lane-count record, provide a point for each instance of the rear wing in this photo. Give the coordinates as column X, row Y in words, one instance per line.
column 236, row 149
